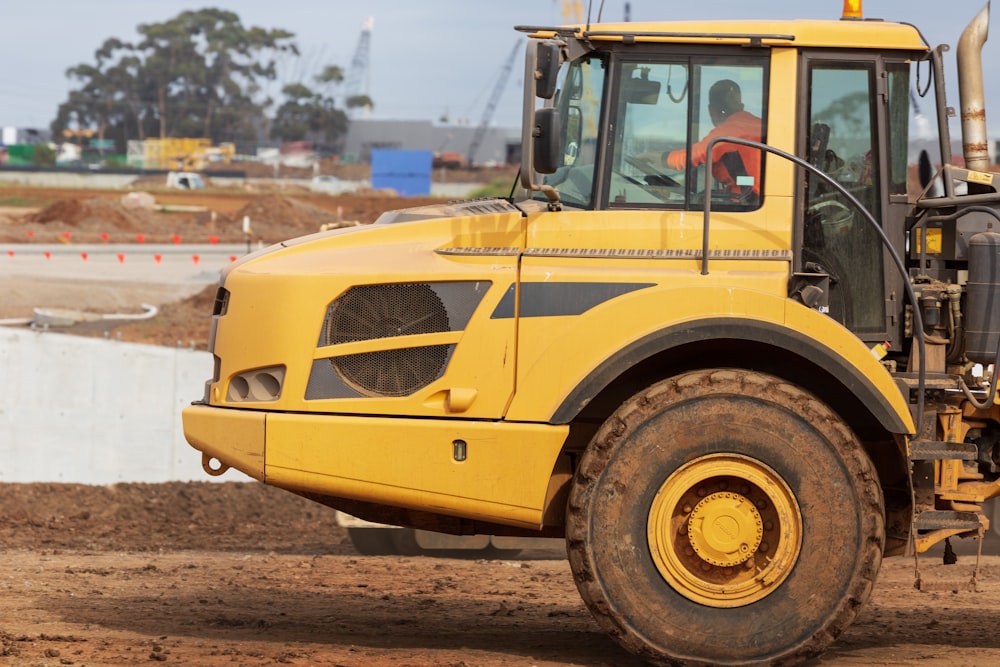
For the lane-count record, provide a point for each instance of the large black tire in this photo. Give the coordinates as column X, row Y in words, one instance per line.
column 725, row 517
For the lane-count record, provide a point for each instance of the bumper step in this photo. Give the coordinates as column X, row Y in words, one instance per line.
column 929, row 450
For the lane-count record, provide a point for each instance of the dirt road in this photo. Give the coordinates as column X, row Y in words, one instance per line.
column 242, row 574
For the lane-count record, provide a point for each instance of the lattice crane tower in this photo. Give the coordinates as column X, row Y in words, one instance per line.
column 491, row 104
column 358, row 79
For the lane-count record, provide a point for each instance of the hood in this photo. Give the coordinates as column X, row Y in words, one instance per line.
column 454, row 209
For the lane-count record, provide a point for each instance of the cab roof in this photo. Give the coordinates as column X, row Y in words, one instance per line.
column 843, row 34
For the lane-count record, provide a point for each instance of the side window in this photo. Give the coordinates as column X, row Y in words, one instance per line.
column 836, row 238
column 666, row 115
column 652, row 118
column 730, row 104
column 899, row 126
column 578, row 98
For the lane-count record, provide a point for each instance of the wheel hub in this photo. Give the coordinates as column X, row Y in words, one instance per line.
column 724, row 530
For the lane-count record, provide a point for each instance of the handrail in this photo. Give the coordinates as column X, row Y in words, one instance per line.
column 866, row 214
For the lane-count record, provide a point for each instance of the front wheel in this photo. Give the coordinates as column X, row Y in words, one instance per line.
column 724, row 517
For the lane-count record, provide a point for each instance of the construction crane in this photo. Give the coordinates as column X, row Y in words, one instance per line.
column 357, row 84
column 491, row 104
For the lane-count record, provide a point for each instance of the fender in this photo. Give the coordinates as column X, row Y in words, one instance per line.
column 853, row 368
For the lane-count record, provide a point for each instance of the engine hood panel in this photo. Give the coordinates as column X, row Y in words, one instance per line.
column 449, row 210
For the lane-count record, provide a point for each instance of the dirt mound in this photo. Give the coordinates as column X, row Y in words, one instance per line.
column 270, row 209
column 94, row 212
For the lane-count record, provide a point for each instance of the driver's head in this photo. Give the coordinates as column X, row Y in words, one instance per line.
column 724, row 99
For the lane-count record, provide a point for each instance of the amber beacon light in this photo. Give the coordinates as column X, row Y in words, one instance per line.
column 852, row 9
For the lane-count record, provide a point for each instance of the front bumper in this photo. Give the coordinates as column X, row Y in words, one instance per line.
column 484, row 470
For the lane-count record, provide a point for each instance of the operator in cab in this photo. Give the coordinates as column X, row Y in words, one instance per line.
column 736, row 167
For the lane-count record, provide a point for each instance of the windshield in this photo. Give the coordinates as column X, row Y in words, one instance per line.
column 578, row 98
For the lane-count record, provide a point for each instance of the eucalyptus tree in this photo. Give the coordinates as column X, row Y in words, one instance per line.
column 198, row 74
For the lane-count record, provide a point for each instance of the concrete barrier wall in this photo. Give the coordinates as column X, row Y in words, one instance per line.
column 94, row 411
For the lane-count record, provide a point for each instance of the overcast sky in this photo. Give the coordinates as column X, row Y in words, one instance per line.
column 428, row 58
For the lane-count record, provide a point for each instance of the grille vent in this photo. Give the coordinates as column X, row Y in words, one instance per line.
column 384, row 311
column 392, row 372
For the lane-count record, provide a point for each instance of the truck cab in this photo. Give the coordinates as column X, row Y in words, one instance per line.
column 719, row 342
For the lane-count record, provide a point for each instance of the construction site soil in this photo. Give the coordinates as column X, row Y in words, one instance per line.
column 244, row 574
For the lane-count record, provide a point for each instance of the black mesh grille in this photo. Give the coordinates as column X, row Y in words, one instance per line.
column 392, row 372
column 385, row 311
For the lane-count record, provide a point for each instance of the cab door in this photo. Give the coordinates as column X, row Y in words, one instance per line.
column 855, row 128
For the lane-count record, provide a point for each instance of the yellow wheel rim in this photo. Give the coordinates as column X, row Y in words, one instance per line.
column 724, row 530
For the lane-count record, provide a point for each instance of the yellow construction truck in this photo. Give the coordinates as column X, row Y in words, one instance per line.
column 720, row 340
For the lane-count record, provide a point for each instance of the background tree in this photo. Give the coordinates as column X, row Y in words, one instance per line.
column 108, row 99
column 203, row 61
column 311, row 115
column 199, row 74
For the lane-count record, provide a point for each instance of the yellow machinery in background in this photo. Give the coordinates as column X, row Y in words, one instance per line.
column 181, row 154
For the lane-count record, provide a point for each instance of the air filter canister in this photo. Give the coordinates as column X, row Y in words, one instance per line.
column 982, row 317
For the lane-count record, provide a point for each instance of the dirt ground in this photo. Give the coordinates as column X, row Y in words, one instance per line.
column 243, row 574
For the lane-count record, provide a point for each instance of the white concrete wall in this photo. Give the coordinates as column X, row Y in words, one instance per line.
column 94, row 411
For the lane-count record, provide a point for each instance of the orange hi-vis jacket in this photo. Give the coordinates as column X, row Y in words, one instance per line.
column 742, row 125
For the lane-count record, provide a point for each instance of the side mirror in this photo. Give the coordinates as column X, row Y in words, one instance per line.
column 546, row 69
column 547, row 138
